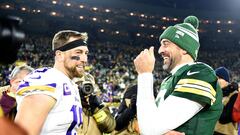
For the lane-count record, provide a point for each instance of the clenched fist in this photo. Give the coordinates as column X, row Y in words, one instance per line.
column 145, row 61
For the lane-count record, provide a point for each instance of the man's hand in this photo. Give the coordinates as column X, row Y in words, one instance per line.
column 174, row 133
column 94, row 103
column 145, row 61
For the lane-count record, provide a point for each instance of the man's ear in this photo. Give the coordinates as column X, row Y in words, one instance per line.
column 184, row 52
column 11, row 81
column 59, row 55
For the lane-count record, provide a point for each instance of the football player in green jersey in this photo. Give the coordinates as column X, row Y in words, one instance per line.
column 190, row 99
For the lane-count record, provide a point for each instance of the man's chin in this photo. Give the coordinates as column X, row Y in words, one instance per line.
column 80, row 74
column 166, row 68
column 77, row 74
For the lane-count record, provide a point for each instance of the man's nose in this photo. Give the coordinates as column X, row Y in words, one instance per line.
column 160, row 50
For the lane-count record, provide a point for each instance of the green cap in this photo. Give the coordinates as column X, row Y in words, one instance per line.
column 184, row 35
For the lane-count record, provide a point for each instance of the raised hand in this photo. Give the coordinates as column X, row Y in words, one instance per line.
column 145, row 61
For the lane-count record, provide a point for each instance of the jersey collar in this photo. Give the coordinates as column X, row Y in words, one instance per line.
column 174, row 70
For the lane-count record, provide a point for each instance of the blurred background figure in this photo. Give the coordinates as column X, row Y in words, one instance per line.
column 8, row 93
column 236, row 111
column 226, row 125
column 10, row 39
column 97, row 118
column 126, row 120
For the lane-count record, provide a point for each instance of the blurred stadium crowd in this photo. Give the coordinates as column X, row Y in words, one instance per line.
column 111, row 63
column 118, row 30
column 116, row 36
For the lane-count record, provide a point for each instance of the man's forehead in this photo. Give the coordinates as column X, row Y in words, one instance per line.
column 21, row 74
column 165, row 40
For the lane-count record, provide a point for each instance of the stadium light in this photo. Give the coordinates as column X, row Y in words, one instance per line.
column 175, row 19
column 102, row 30
column 81, row 6
column 68, row 4
column 23, row 9
column 94, row 19
column 107, row 10
column 7, row 6
column 54, row 2
column 81, row 17
column 153, row 26
column 95, row 8
column 53, row 13
column 164, row 18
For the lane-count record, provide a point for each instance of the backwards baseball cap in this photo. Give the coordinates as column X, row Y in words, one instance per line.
column 223, row 73
column 184, row 35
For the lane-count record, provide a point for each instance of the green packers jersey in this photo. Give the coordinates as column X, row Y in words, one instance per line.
column 196, row 82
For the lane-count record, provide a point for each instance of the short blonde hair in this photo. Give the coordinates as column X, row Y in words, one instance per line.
column 62, row 38
column 17, row 69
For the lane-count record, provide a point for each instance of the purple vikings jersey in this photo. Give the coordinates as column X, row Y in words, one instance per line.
column 66, row 115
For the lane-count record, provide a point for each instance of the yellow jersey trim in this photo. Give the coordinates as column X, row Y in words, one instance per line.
column 198, row 83
column 197, row 92
column 29, row 88
column 1, row 112
column 197, row 87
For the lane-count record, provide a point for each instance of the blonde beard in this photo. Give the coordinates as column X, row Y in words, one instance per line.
column 73, row 72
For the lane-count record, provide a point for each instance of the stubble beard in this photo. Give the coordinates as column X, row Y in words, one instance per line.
column 167, row 66
column 73, row 72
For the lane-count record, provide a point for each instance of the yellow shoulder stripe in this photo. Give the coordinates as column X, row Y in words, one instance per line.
column 197, row 92
column 1, row 112
column 198, row 84
column 30, row 88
